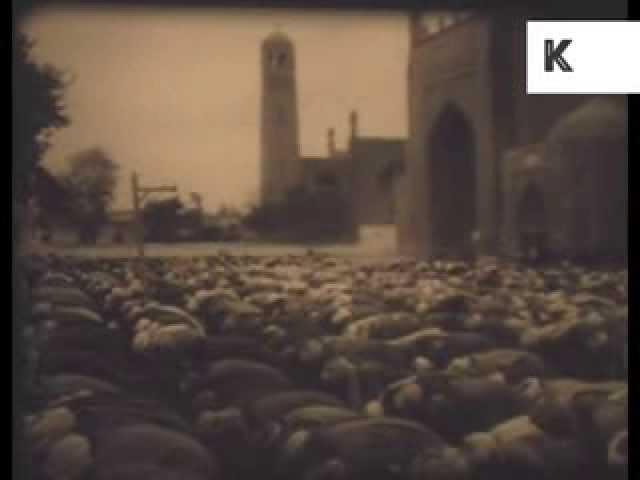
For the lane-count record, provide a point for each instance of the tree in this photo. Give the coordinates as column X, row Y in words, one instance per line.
column 91, row 182
column 194, row 216
column 37, row 111
column 196, row 199
column 162, row 219
column 52, row 200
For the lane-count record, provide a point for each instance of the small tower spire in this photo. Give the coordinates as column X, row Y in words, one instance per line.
column 331, row 141
column 353, row 121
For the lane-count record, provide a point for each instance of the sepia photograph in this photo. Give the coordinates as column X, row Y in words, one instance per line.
column 314, row 244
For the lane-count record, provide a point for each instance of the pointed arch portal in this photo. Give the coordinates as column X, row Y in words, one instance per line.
column 452, row 183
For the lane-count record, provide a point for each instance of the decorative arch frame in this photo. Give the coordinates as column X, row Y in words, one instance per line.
column 451, row 156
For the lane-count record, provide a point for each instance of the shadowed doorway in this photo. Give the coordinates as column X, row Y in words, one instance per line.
column 452, row 184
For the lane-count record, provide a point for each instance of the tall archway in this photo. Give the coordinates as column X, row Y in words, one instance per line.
column 452, row 183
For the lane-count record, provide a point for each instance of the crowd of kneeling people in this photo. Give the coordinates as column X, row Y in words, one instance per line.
column 311, row 367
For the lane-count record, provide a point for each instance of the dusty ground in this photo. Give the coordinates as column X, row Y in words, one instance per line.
column 204, row 249
column 374, row 242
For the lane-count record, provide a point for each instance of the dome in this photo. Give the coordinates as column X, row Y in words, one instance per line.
column 598, row 122
column 588, row 152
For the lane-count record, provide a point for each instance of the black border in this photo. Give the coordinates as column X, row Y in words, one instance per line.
column 573, row 8
column 634, row 143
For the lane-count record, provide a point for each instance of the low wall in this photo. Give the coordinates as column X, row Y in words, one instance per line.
column 378, row 238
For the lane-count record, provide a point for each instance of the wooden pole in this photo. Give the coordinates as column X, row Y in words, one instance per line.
column 139, row 194
column 135, row 187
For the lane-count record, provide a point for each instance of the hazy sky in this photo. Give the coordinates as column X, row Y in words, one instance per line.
column 175, row 94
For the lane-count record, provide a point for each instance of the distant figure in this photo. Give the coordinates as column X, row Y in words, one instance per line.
column 532, row 242
column 476, row 238
column 532, row 223
column 46, row 236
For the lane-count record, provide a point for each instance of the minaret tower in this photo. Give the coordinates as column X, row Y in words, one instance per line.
column 280, row 150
